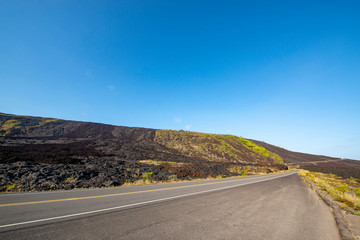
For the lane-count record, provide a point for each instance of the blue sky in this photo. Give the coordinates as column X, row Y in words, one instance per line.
column 283, row 72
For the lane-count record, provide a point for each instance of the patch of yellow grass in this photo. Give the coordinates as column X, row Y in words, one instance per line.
column 252, row 170
column 158, row 162
column 46, row 120
column 342, row 190
column 173, row 179
column 8, row 125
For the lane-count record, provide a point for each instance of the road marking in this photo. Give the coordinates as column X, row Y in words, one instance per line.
column 141, row 203
column 117, row 194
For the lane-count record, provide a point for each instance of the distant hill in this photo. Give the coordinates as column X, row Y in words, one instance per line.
column 342, row 167
column 294, row 157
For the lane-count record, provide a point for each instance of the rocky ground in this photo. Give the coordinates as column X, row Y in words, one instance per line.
column 90, row 172
column 95, row 172
column 47, row 154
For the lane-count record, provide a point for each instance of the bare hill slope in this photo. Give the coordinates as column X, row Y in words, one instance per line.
column 43, row 136
column 43, row 153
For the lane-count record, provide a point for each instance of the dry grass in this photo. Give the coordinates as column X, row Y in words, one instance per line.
column 45, row 121
column 158, row 162
column 252, row 170
column 215, row 147
column 6, row 127
column 171, row 179
column 174, row 179
column 346, row 191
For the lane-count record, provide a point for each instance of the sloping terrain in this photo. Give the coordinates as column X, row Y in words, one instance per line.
column 345, row 168
column 294, row 157
column 214, row 147
column 31, row 137
column 43, row 153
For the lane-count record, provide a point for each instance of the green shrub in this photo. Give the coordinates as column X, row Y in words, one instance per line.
column 357, row 192
column 147, row 175
column 243, row 172
column 353, row 179
column 221, row 176
column 12, row 187
column 342, row 188
column 70, row 180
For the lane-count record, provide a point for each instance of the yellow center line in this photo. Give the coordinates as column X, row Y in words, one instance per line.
column 118, row 194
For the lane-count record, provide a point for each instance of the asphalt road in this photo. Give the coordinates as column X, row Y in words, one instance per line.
column 276, row 206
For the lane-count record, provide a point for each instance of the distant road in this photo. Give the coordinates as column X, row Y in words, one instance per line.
column 325, row 161
column 275, row 206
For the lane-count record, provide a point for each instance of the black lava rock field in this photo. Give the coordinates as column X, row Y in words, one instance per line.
column 39, row 154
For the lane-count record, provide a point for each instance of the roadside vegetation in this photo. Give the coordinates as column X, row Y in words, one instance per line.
column 12, row 187
column 252, row 170
column 234, row 170
column 345, row 191
column 146, row 178
column 159, row 162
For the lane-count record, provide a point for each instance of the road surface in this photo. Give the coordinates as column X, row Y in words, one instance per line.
column 275, row 206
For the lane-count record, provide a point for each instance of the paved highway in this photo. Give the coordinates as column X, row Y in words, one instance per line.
column 275, row 206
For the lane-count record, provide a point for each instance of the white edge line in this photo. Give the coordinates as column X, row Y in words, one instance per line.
column 140, row 203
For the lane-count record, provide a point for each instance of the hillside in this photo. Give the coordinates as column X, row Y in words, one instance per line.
column 43, row 153
column 345, row 168
column 23, row 136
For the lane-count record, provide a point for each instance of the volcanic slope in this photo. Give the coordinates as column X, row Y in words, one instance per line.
column 71, row 138
column 46, row 154
column 345, row 168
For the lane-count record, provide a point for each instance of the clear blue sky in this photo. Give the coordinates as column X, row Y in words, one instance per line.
column 284, row 72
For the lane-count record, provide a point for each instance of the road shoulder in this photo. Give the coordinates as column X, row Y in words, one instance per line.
column 348, row 225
